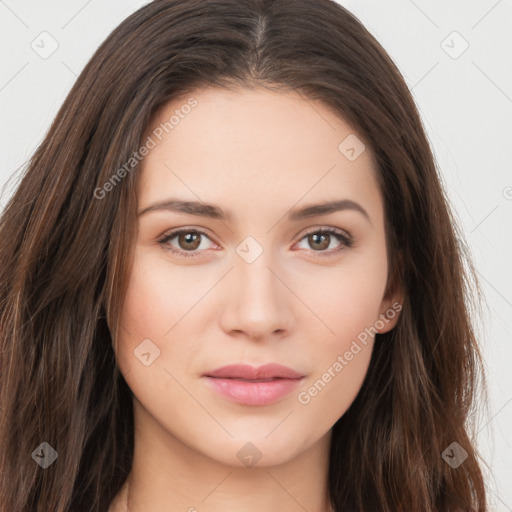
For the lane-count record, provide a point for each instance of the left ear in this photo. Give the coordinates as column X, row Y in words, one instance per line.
column 391, row 304
column 389, row 313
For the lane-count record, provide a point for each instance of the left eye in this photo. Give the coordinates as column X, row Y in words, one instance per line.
column 321, row 238
column 189, row 241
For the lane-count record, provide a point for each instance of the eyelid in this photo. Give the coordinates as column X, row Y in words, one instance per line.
column 322, row 229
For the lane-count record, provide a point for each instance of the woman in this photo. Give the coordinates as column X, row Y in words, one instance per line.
column 230, row 278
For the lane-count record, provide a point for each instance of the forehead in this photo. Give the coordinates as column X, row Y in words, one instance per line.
column 254, row 147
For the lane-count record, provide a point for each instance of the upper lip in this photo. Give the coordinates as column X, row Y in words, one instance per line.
column 245, row 371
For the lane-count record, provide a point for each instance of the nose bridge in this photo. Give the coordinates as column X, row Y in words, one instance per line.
column 255, row 282
column 257, row 302
column 256, row 279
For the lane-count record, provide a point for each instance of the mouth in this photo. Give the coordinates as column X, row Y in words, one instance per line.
column 247, row 372
column 249, row 380
column 247, row 385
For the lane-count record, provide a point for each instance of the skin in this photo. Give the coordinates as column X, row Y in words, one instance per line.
column 258, row 154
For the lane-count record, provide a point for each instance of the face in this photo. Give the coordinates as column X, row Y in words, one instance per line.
column 257, row 277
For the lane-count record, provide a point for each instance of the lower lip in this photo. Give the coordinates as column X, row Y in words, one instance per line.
column 253, row 393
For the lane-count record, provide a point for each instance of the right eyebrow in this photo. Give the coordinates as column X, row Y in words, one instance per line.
column 190, row 207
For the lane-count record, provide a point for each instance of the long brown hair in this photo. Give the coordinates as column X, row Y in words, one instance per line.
column 66, row 251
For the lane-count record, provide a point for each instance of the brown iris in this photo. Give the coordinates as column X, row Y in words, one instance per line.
column 189, row 238
column 314, row 237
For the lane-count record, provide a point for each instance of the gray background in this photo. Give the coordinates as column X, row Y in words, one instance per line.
column 464, row 96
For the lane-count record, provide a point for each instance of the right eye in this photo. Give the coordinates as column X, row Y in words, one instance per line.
column 189, row 239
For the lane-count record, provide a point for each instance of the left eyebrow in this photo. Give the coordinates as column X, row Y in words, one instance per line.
column 326, row 208
column 216, row 212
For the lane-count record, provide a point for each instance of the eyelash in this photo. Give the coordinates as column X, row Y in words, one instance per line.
column 344, row 238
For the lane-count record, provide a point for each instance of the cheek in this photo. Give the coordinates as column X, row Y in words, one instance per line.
column 146, row 310
column 159, row 294
column 349, row 300
column 341, row 358
column 161, row 304
column 350, row 309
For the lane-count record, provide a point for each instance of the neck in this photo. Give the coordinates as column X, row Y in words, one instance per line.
column 168, row 475
column 128, row 506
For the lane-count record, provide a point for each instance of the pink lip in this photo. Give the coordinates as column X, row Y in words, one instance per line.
column 247, row 385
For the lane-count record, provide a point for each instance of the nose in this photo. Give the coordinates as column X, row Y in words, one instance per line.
column 257, row 301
